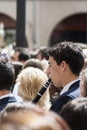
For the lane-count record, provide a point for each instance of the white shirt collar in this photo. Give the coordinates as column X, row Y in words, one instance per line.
column 66, row 88
column 6, row 95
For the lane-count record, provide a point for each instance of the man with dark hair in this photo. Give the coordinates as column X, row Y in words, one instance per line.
column 75, row 113
column 7, row 77
column 65, row 63
column 20, row 54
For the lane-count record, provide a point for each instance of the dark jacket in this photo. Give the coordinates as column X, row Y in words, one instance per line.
column 5, row 101
column 71, row 94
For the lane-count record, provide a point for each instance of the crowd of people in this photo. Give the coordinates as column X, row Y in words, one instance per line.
column 63, row 104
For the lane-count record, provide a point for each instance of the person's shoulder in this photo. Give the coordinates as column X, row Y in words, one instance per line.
column 75, row 93
column 74, row 90
column 74, row 87
column 60, row 102
column 5, row 101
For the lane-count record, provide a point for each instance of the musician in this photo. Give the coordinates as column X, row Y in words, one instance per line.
column 65, row 63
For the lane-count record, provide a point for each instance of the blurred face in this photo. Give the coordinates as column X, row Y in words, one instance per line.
column 14, row 57
column 55, row 72
column 39, row 56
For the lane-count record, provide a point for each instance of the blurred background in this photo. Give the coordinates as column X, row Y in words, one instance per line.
column 35, row 23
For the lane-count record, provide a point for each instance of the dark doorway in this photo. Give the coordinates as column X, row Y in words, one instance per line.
column 8, row 21
column 9, row 28
column 72, row 28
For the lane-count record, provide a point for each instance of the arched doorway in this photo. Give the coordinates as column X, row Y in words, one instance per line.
column 9, row 28
column 72, row 28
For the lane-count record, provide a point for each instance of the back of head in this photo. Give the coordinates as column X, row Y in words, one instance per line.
column 42, row 53
column 33, row 63
column 8, row 124
column 18, row 67
column 75, row 114
column 20, row 54
column 83, row 83
column 34, row 118
column 23, row 57
column 31, row 81
column 7, row 73
column 69, row 52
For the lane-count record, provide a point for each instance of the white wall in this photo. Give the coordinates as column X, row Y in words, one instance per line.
column 50, row 13
column 8, row 8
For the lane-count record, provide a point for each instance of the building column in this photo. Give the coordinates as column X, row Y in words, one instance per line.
column 20, row 24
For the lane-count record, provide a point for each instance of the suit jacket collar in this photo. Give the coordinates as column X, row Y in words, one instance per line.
column 5, row 101
column 68, row 86
column 72, row 88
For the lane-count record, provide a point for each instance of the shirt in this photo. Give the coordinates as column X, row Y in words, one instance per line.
column 66, row 88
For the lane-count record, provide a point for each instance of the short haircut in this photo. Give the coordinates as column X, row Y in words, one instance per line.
column 69, row 52
column 7, row 73
column 33, row 63
column 75, row 113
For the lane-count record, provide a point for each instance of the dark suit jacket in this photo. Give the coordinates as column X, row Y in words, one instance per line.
column 5, row 101
column 72, row 93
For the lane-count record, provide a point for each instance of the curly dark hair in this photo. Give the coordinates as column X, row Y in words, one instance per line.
column 7, row 73
column 69, row 52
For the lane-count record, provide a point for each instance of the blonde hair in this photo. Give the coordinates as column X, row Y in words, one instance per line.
column 31, row 80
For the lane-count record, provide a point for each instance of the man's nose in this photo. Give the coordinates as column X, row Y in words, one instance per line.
column 48, row 71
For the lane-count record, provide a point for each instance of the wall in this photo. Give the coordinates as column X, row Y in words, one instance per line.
column 40, row 24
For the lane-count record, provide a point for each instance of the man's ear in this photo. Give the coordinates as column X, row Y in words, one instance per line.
column 63, row 65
